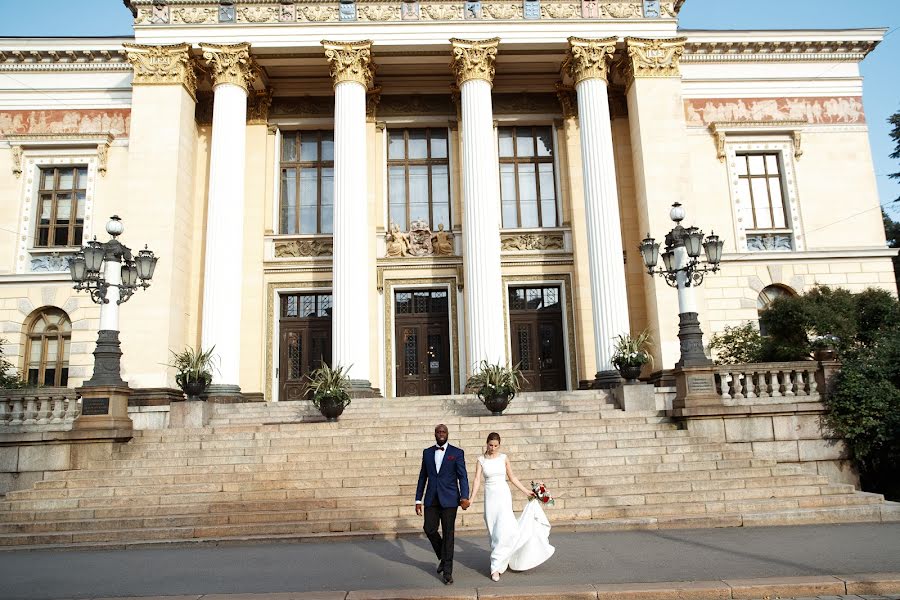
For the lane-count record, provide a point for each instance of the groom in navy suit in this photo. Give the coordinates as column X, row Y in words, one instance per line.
column 444, row 470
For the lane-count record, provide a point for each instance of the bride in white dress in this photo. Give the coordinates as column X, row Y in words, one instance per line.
column 519, row 545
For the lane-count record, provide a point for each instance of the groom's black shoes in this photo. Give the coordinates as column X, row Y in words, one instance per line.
column 448, row 580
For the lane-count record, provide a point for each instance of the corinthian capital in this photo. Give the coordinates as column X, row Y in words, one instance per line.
column 231, row 63
column 474, row 59
column 163, row 65
column 350, row 61
column 653, row 58
column 589, row 59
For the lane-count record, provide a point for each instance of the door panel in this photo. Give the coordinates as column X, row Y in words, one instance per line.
column 536, row 333
column 305, row 341
column 422, row 335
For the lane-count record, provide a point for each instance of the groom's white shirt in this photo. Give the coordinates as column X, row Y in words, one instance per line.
column 439, row 456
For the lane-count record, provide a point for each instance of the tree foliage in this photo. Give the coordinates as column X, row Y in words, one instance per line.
column 737, row 345
column 895, row 135
column 10, row 378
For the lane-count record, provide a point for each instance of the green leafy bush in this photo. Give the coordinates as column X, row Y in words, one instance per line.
column 10, row 377
column 491, row 380
column 737, row 345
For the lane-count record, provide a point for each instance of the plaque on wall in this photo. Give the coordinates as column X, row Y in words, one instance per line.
column 700, row 384
column 94, row 406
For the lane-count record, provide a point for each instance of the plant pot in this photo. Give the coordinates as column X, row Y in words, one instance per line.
column 194, row 388
column 331, row 408
column 824, row 354
column 496, row 404
column 630, row 373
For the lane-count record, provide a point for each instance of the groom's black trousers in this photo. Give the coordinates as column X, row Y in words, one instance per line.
column 443, row 547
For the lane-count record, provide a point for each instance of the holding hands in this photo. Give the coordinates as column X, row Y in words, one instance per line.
column 464, row 503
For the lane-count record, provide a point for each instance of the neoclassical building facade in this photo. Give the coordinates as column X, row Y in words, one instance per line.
column 408, row 188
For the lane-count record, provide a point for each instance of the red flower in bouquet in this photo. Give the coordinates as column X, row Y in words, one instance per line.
column 540, row 493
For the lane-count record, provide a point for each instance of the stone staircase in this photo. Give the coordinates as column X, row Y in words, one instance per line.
column 279, row 472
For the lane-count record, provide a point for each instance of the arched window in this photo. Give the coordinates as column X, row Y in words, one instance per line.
column 47, row 350
column 766, row 297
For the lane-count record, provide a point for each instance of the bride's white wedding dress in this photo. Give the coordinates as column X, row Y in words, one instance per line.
column 519, row 545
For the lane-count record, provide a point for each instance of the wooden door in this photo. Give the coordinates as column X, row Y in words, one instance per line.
column 305, row 340
column 422, row 333
column 536, row 336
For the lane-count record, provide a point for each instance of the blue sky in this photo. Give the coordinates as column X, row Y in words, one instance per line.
column 880, row 69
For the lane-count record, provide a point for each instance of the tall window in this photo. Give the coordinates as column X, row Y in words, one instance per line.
column 419, row 177
column 307, row 182
column 62, row 196
column 760, row 189
column 527, row 181
column 47, row 350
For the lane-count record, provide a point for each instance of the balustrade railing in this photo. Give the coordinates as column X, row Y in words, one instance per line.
column 768, row 383
column 38, row 409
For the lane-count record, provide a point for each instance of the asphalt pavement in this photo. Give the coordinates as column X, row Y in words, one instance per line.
column 581, row 558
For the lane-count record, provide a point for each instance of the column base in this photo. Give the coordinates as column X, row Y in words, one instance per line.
column 103, row 407
column 606, row 380
column 362, row 388
column 223, row 393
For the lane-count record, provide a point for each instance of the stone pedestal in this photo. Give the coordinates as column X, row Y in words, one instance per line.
column 190, row 414
column 104, row 407
column 696, row 386
column 635, row 396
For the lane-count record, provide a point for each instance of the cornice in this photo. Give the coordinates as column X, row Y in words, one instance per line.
column 738, row 50
column 25, row 60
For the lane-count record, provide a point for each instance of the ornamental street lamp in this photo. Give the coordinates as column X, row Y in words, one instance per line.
column 111, row 274
column 682, row 269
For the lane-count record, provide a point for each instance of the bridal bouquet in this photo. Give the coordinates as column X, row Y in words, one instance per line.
column 540, row 493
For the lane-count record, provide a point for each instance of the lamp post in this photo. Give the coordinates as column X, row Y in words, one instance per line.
column 110, row 273
column 683, row 270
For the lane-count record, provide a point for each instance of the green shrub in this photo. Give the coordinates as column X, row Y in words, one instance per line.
column 10, row 377
column 737, row 344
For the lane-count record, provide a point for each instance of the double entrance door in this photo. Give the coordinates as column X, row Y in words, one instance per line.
column 305, row 340
column 422, row 334
column 536, row 336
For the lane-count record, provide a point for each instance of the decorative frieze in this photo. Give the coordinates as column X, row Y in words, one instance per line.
column 310, row 248
column 258, row 14
column 62, row 122
column 231, row 63
column 474, row 59
column 531, row 241
column 303, row 106
column 163, row 65
column 350, row 61
column 589, row 59
column 51, row 263
column 416, row 104
column 770, row 242
column 835, row 110
column 193, row 15
column 652, row 57
column 525, row 104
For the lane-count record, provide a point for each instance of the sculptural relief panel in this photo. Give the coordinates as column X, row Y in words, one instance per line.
column 841, row 110
column 115, row 121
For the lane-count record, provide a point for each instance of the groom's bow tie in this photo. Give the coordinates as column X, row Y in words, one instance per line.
column 436, row 448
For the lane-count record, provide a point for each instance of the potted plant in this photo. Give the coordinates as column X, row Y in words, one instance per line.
column 327, row 390
column 496, row 385
column 823, row 346
column 194, row 370
column 631, row 353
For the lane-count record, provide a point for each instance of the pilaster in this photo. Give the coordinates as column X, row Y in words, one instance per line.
column 161, row 177
column 662, row 177
column 473, row 66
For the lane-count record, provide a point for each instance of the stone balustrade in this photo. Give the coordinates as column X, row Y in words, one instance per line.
column 767, row 383
column 38, row 409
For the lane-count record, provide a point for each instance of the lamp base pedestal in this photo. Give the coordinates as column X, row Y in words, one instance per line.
column 104, row 407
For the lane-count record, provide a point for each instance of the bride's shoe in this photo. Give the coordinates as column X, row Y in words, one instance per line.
column 495, row 576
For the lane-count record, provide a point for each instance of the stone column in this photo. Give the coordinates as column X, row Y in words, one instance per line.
column 662, row 176
column 473, row 66
column 233, row 72
column 588, row 65
column 352, row 71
